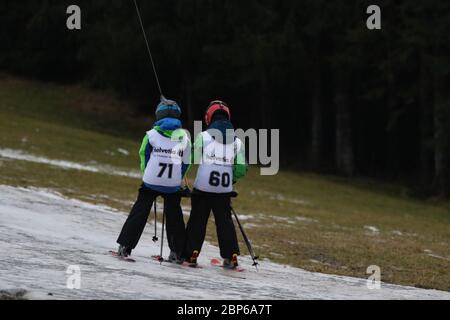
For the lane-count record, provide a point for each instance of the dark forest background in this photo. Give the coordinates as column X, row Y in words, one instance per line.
column 348, row 100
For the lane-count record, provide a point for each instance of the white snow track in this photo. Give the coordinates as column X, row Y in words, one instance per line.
column 42, row 233
column 67, row 165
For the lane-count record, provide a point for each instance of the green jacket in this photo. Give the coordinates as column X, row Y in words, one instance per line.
column 146, row 149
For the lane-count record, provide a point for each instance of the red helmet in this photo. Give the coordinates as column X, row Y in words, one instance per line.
column 213, row 107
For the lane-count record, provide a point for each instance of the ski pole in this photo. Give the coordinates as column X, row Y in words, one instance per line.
column 247, row 242
column 161, row 259
column 186, row 182
column 155, row 237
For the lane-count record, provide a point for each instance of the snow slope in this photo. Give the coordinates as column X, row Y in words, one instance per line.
column 67, row 165
column 42, row 233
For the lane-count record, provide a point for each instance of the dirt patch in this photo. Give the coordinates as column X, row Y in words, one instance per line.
column 13, row 294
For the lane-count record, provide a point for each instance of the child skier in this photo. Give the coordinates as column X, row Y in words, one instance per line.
column 165, row 158
column 222, row 163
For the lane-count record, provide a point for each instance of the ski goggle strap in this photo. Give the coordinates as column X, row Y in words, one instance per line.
column 213, row 107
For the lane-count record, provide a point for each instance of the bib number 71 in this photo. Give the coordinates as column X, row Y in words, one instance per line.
column 164, row 166
column 216, row 179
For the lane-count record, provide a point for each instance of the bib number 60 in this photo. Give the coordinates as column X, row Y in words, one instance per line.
column 216, row 179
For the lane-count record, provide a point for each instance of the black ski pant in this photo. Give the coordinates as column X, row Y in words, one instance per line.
column 202, row 204
column 135, row 223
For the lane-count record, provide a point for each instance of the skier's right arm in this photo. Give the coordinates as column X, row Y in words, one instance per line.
column 186, row 161
column 144, row 153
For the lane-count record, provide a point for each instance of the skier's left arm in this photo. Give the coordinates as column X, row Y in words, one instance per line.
column 240, row 167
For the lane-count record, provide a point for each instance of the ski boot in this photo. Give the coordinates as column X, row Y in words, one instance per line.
column 193, row 259
column 123, row 251
column 230, row 263
column 174, row 258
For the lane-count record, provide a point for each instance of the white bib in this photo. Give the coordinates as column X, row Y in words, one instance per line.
column 164, row 165
column 215, row 172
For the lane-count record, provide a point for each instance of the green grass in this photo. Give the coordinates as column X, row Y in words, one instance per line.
column 318, row 223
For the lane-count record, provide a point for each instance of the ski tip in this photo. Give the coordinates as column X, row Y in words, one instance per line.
column 191, row 265
column 218, row 263
column 236, row 269
column 158, row 258
column 183, row 264
column 115, row 254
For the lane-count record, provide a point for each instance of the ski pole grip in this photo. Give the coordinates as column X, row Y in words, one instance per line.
column 185, row 192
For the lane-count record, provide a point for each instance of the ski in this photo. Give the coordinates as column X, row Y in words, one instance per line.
column 218, row 263
column 158, row 258
column 115, row 254
column 184, row 264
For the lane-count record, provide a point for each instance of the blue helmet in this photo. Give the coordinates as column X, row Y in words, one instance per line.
column 167, row 108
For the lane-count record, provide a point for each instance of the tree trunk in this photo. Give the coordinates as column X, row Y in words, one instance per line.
column 344, row 146
column 392, row 156
column 316, row 126
column 441, row 119
column 441, row 145
column 189, row 106
column 264, row 122
column 426, row 125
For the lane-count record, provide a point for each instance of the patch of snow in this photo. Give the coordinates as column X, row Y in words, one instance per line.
column 397, row 232
column 412, row 235
column 305, row 219
column 44, row 233
column 68, row 165
column 432, row 254
column 281, row 198
column 186, row 210
column 372, row 229
column 265, row 217
column 283, row 219
column 123, row 151
column 439, row 257
column 275, row 254
column 244, row 217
